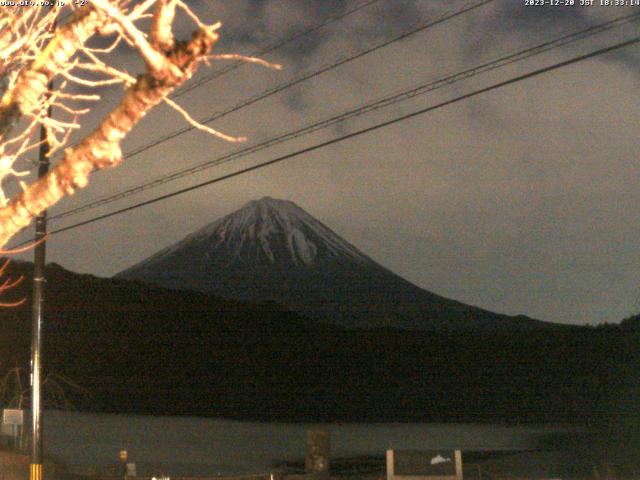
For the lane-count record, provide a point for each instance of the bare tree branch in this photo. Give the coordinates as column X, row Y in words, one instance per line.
column 101, row 148
column 24, row 95
column 161, row 34
column 65, row 55
column 194, row 123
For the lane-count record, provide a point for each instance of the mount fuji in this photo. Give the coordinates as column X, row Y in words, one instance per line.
column 273, row 250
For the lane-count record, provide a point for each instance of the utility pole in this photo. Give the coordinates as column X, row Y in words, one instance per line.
column 35, row 467
column 35, row 471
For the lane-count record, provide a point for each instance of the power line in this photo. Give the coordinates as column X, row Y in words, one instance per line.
column 279, row 44
column 366, row 108
column 233, row 66
column 307, row 76
column 357, row 133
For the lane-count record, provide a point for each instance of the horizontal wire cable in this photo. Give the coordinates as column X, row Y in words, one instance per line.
column 279, row 44
column 308, row 76
column 357, row 133
column 361, row 110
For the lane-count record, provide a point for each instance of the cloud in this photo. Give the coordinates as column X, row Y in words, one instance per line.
column 518, row 201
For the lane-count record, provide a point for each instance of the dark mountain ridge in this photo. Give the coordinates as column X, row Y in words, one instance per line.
column 140, row 348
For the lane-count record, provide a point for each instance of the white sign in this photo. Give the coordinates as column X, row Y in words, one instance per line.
column 12, row 416
column 439, row 459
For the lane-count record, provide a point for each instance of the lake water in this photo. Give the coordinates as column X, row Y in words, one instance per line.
column 89, row 443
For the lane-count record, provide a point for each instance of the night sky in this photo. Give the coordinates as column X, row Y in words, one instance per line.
column 521, row 201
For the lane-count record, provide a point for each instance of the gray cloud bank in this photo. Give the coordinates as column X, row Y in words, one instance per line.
column 523, row 200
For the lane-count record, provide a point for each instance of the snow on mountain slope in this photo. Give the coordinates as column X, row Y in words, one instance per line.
column 272, row 250
column 267, row 230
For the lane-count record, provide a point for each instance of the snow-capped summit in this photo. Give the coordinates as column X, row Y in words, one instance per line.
column 274, row 231
column 273, row 250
